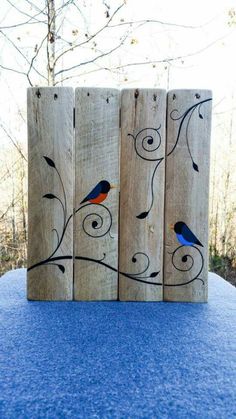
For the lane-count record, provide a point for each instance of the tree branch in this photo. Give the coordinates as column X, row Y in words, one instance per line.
column 21, row 53
column 68, row 3
column 27, row 22
column 12, row 69
column 35, row 7
column 160, row 22
column 26, row 14
column 104, row 54
column 13, row 202
column 92, row 36
column 168, row 60
column 163, row 60
column 34, row 57
column 7, row 173
column 13, row 142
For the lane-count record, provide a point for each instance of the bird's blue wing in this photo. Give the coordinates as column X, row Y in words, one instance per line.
column 189, row 236
column 94, row 193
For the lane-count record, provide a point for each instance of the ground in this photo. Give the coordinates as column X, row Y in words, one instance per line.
column 117, row 360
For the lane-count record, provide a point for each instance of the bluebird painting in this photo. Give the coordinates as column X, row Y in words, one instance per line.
column 184, row 235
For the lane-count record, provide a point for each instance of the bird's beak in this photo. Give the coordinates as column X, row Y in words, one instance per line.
column 114, row 186
column 171, row 226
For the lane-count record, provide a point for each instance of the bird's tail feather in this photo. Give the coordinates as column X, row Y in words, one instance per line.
column 199, row 243
column 84, row 200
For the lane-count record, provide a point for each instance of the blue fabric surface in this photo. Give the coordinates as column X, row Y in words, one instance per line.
column 117, row 360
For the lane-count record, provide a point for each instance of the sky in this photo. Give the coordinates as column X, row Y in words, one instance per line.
column 205, row 45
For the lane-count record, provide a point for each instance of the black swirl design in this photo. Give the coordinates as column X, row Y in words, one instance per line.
column 147, row 141
column 186, row 258
column 96, row 224
column 187, row 115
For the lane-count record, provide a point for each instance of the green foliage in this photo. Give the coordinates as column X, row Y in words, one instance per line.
column 12, row 254
column 222, row 265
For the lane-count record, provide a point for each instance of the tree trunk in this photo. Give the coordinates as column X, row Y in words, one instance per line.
column 13, row 214
column 23, row 202
column 51, row 41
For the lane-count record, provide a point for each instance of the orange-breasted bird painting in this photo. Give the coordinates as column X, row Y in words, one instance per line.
column 99, row 193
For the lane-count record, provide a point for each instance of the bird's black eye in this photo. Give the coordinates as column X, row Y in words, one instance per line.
column 94, row 224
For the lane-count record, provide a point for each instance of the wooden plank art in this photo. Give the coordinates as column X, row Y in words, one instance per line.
column 50, row 194
column 96, row 200
column 186, row 195
column 143, row 113
column 74, row 202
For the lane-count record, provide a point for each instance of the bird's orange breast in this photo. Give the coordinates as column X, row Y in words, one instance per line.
column 100, row 198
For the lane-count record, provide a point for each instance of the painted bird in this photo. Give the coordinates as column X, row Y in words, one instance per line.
column 184, row 235
column 99, row 193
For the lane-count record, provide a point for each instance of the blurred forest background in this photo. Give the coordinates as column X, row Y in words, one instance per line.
column 126, row 44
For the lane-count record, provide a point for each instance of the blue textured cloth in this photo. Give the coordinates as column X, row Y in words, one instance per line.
column 117, row 360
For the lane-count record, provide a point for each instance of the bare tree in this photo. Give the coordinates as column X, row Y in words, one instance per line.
column 51, row 21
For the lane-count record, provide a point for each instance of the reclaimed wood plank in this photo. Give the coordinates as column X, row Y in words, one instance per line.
column 50, row 193
column 96, row 211
column 186, row 195
column 143, row 114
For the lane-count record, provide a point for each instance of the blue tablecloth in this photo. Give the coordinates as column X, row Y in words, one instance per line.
column 117, row 360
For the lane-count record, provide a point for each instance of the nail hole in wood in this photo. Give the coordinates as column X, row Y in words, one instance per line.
column 107, row 99
column 55, row 96
column 174, row 96
column 38, row 94
column 197, row 96
column 136, row 94
column 155, row 97
column 88, row 94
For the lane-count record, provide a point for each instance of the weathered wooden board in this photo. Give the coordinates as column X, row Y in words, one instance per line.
column 186, row 195
column 50, row 193
column 96, row 219
column 143, row 116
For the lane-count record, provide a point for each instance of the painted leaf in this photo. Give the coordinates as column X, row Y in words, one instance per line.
column 134, row 260
column 154, row 274
column 143, row 215
column 49, row 196
column 184, row 258
column 200, row 116
column 62, row 269
column 49, row 161
column 195, row 166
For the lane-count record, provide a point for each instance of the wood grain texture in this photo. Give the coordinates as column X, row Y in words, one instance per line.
column 186, row 194
column 96, row 159
column 143, row 114
column 50, row 134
